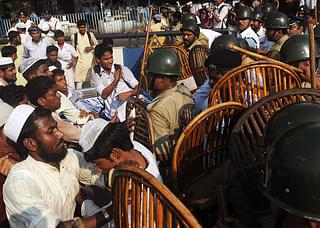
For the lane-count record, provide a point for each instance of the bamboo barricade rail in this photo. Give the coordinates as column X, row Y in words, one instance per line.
column 258, row 56
column 145, row 51
column 312, row 50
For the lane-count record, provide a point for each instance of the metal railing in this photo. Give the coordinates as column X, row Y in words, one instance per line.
column 108, row 21
column 102, row 22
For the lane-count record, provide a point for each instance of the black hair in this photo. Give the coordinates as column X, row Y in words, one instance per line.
column 47, row 10
column 107, row 42
column 58, row 33
column 12, row 94
column 114, row 135
column 12, row 35
column 51, row 48
column 8, row 51
column 57, row 72
column 81, row 23
column 37, row 87
column 29, row 129
column 100, row 49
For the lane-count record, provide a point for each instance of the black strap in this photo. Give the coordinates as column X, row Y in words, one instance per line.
column 76, row 39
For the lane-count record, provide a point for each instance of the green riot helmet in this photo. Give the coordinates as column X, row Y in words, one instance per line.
column 317, row 31
column 296, row 49
column 268, row 7
column 244, row 12
column 276, row 20
column 290, row 117
column 224, row 41
column 191, row 26
column 291, row 179
column 188, row 17
column 258, row 16
column 164, row 61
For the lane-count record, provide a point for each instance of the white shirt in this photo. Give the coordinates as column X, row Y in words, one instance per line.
column 37, row 194
column 66, row 53
column 35, row 50
column 69, row 111
column 127, row 82
column 222, row 11
column 54, row 24
column 152, row 167
column 251, row 37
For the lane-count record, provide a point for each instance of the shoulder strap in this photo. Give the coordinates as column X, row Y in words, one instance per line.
column 89, row 37
column 221, row 8
column 75, row 40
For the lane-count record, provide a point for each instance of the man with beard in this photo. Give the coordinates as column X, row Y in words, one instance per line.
column 172, row 101
column 190, row 34
column 7, row 71
column 41, row 190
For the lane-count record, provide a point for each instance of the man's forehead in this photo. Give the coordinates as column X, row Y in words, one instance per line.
column 45, row 122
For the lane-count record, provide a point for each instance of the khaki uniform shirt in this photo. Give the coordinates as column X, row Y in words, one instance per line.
column 204, row 41
column 166, row 113
column 275, row 50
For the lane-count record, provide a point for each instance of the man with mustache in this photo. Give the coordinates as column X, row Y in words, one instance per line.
column 41, row 190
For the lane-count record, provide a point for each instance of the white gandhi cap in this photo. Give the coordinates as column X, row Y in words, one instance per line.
column 16, row 121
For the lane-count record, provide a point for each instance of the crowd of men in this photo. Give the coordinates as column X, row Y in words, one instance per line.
column 55, row 151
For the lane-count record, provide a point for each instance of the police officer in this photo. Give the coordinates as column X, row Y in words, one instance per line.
column 190, row 34
column 291, row 176
column 218, row 63
column 244, row 17
column 225, row 40
column 276, row 25
column 189, row 17
column 295, row 51
column 171, row 101
column 257, row 26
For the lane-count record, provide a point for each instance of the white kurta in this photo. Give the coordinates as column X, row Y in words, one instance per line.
column 37, row 194
column 85, row 58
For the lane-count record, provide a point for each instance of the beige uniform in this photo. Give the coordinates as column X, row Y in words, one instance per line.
column 166, row 113
column 85, row 58
column 204, row 41
column 275, row 50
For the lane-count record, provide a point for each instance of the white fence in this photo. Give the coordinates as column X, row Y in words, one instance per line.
column 108, row 21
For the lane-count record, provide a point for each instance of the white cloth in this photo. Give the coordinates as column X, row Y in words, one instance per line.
column 27, row 24
column 152, row 167
column 210, row 34
column 251, row 37
column 103, row 80
column 54, row 24
column 37, row 194
column 65, row 55
column 35, row 50
column 85, row 58
column 222, row 11
column 70, row 112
